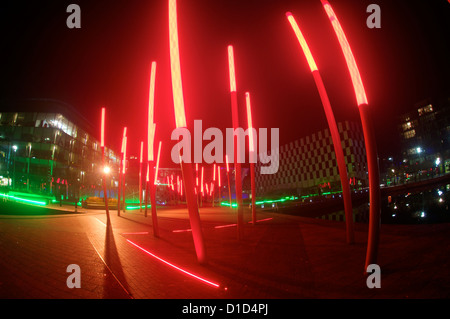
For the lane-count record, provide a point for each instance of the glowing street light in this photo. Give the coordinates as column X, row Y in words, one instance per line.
column 235, row 120
column 251, row 155
column 369, row 139
column 333, row 129
column 180, row 120
column 106, row 170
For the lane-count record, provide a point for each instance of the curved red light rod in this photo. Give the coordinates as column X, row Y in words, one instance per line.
column 347, row 51
column 333, row 129
column 102, row 128
column 177, row 87
column 102, row 145
column 369, row 140
column 124, row 154
column 237, row 165
column 151, row 110
column 228, row 180
column 157, row 163
column 119, row 195
column 180, row 120
column 231, row 69
column 140, row 175
column 201, row 181
column 210, row 283
column 218, row 176
column 251, row 152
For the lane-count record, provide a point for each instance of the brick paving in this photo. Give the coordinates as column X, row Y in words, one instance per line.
column 285, row 257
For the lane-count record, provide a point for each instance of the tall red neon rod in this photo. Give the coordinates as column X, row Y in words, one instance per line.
column 228, row 179
column 251, row 149
column 180, row 120
column 235, row 119
column 213, row 183
column 369, row 139
column 120, row 172
column 140, row 175
column 219, row 183
column 333, row 130
column 102, row 145
column 157, row 164
column 124, row 167
column 151, row 188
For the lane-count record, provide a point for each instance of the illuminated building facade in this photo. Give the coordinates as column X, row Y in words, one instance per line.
column 425, row 138
column 308, row 165
column 48, row 148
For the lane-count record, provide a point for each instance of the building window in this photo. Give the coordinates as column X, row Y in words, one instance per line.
column 425, row 109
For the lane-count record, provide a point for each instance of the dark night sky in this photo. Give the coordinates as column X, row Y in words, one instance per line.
column 106, row 62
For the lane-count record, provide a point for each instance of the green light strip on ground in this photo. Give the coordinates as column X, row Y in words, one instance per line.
column 23, row 200
column 23, row 195
column 136, row 207
column 227, row 204
column 261, row 202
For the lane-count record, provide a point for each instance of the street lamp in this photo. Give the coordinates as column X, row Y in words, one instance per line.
column 106, row 170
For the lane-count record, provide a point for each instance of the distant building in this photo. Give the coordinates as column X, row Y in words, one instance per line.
column 309, row 164
column 425, row 137
column 47, row 147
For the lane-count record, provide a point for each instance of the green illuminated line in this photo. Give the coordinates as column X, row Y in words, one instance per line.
column 228, row 204
column 136, row 207
column 23, row 200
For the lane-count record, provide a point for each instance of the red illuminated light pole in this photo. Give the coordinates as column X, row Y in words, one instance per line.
column 219, row 183
column 150, row 142
column 120, row 172
column 228, row 178
column 333, row 130
column 201, row 188
column 102, row 145
column 157, row 164
column 180, row 120
column 369, row 139
column 124, row 164
column 140, row 176
column 235, row 119
column 251, row 155
column 213, row 184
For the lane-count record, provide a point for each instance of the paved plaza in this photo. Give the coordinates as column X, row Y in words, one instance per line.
column 281, row 257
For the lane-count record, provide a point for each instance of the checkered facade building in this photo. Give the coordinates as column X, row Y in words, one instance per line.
column 309, row 162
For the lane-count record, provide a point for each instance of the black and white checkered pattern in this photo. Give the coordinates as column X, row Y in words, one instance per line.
column 311, row 161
